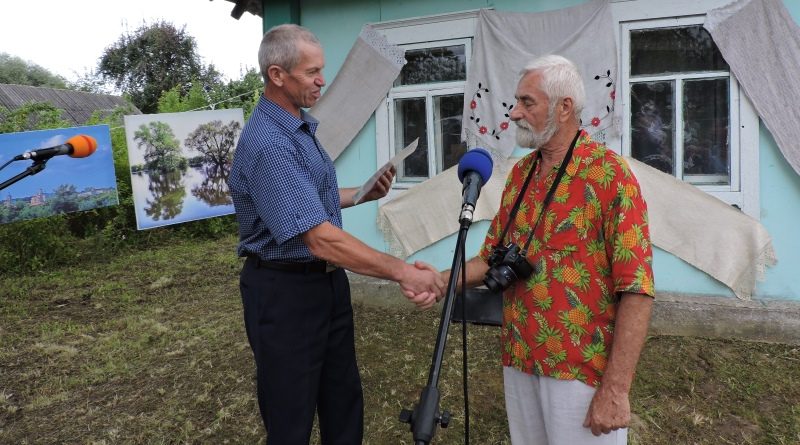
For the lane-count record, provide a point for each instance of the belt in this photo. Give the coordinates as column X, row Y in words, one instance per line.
column 298, row 267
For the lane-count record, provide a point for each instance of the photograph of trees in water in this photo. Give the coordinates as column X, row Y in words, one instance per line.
column 180, row 164
column 49, row 184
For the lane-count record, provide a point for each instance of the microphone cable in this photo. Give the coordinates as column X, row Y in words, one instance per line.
column 464, row 344
column 4, row 165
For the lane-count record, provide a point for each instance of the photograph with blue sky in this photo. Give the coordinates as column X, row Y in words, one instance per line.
column 66, row 184
column 180, row 164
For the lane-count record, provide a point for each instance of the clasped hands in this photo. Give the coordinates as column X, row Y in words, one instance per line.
column 422, row 284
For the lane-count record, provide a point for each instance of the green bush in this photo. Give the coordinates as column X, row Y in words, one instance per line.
column 37, row 244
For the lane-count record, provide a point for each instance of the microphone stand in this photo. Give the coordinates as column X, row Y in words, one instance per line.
column 37, row 166
column 425, row 416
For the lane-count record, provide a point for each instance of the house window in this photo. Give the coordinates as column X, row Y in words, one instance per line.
column 427, row 99
column 680, row 104
column 426, row 103
column 683, row 111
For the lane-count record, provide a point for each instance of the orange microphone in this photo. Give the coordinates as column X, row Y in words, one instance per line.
column 78, row 146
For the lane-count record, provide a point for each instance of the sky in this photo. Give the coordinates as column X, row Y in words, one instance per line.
column 68, row 37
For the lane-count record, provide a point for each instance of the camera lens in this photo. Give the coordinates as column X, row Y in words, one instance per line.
column 498, row 278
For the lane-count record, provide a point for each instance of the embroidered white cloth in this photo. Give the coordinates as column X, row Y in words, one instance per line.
column 416, row 220
column 506, row 41
column 704, row 231
column 753, row 35
column 360, row 86
column 684, row 221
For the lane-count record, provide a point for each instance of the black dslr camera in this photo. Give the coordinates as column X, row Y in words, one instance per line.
column 506, row 265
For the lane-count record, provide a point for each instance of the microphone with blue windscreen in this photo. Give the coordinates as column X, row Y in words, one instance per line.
column 474, row 170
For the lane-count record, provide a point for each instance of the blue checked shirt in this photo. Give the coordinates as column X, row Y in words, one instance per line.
column 282, row 184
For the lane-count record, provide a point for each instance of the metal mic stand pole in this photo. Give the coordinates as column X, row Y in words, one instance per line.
column 426, row 416
column 38, row 165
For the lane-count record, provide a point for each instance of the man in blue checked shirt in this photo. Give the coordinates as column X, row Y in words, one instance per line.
column 295, row 292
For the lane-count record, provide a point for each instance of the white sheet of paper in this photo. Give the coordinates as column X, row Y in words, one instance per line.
column 395, row 161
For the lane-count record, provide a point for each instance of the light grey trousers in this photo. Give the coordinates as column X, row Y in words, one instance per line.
column 548, row 411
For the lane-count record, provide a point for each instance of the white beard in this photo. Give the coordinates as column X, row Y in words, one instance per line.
column 528, row 137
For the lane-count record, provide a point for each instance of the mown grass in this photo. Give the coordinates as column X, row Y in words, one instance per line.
column 149, row 348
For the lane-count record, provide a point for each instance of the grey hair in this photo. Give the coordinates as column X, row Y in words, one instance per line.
column 279, row 47
column 560, row 79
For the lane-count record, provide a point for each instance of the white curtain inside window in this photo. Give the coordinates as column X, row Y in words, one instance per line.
column 761, row 43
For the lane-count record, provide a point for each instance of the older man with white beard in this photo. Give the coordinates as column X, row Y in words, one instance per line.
column 577, row 296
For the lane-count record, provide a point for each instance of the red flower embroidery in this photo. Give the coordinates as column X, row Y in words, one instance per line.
column 595, row 121
column 482, row 130
column 473, row 104
column 613, row 94
column 504, row 125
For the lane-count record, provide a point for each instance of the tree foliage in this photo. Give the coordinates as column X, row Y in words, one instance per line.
column 174, row 101
column 238, row 93
column 65, row 199
column 162, row 150
column 31, row 116
column 215, row 141
column 14, row 70
column 153, row 59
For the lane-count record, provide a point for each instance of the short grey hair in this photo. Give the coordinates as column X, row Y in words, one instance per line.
column 560, row 79
column 279, row 47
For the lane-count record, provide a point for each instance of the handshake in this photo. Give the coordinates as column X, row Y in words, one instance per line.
column 422, row 284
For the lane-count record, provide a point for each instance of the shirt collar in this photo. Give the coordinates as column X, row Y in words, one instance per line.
column 286, row 119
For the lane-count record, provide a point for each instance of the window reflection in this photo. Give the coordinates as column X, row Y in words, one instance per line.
column 706, row 128
column 447, row 116
column 410, row 124
column 674, row 50
column 426, row 65
column 652, row 125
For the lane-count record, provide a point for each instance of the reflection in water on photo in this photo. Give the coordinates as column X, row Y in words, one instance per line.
column 180, row 195
column 214, row 189
column 167, row 192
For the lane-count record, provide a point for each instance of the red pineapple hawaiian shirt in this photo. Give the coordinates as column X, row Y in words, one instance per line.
column 591, row 244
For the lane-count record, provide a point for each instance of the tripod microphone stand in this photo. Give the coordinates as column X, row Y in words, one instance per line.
column 426, row 415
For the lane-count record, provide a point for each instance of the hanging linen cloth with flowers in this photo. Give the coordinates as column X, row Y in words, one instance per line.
column 506, row 41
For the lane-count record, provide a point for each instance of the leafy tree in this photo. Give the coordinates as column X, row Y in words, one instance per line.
column 241, row 93
column 14, row 70
column 162, row 148
column 31, row 116
column 65, row 199
column 91, row 82
column 153, row 59
column 215, row 141
column 173, row 101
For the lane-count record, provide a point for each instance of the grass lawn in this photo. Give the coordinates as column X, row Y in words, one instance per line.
column 149, row 348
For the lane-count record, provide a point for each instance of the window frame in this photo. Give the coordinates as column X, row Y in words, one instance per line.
column 442, row 89
column 415, row 33
column 744, row 122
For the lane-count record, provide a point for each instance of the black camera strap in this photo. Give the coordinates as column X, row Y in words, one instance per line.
column 549, row 197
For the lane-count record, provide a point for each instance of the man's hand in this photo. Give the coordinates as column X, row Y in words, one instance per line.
column 610, row 408
column 381, row 187
column 422, row 285
column 609, row 411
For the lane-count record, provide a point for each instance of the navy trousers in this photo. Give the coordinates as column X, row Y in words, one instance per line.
column 300, row 327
